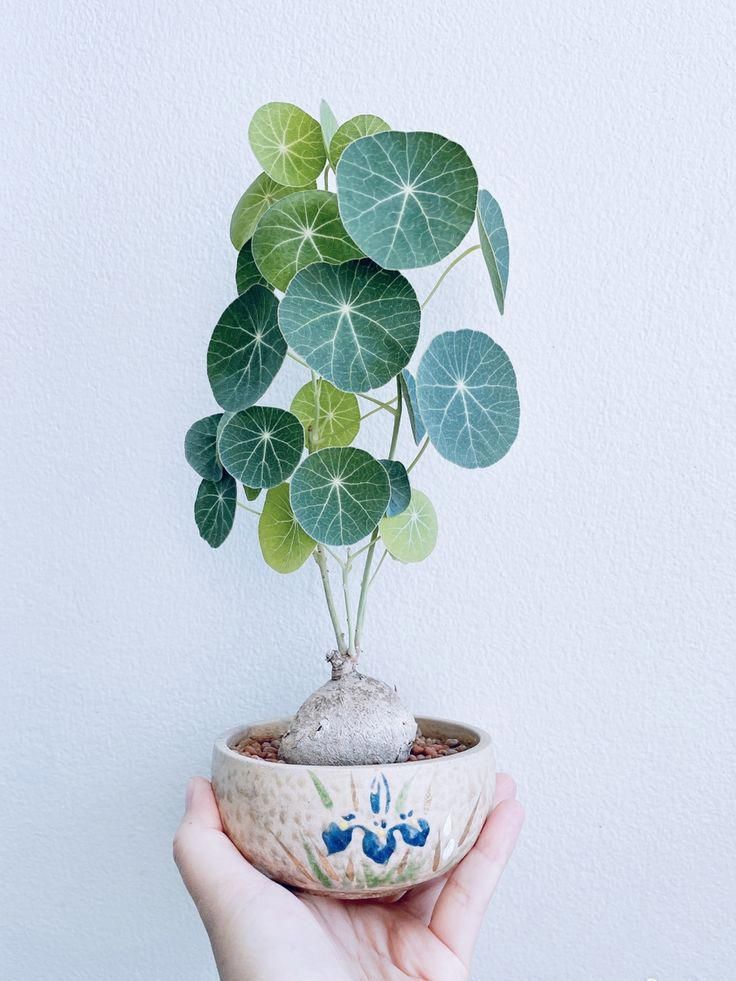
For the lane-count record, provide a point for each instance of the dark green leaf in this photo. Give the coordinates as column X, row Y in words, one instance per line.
column 261, row 446
column 400, row 488
column 409, row 393
column 214, row 509
column 494, row 244
column 247, row 273
column 200, row 448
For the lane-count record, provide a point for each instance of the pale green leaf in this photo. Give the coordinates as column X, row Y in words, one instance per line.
column 339, row 414
column 328, row 123
column 494, row 244
column 287, row 143
column 354, row 129
column 261, row 446
column 255, row 200
column 284, row 544
column 412, row 535
column 200, row 447
column 214, row 509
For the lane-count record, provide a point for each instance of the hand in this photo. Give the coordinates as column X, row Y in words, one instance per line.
column 261, row 931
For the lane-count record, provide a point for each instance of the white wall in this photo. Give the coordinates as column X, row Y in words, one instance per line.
column 577, row 602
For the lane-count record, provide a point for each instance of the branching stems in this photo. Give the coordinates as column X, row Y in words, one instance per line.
column 290, row 354
column 388, row 406
column 473, row 248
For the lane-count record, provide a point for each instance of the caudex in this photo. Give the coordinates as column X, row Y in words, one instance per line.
column 318, row 282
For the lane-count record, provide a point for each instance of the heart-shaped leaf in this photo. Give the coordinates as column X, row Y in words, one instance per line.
column 412, row 535
column 247, row 273
column 339, row 414
column 327, row 122
column 284, row 543
column 406, row 199
column 339, row 494
column 261, row 446
column 400, row 488
column 200, row 448
column 255, row 200
column 287, row 143
column 467, row 395
column 214, row 509
column 303, row 228
column 246, row 349
column 354, row 129
column 494, row 244
column 409, row 393
column 356, row 324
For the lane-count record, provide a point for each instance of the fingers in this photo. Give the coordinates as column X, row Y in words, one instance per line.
column 459, row 910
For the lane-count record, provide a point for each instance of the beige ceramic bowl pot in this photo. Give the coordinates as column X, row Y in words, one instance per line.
column 355, row 832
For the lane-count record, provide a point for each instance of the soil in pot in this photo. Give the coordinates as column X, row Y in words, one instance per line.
column 423, row 748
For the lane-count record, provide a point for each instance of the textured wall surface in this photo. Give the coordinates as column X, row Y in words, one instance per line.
column 577, row 602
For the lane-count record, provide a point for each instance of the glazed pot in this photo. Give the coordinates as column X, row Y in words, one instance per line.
column 355, row 832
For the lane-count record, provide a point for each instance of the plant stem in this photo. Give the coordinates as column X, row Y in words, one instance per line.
column 348, row 612
column 335, row 556
column 319, row 558
column 378, row 567
column 327, row 177
column 290, row 354
column 388, row 406
column 246, row 508
column 473, row 248
column 397, row 421
column 418, row 457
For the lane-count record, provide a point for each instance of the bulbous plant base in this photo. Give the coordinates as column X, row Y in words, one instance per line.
column 352, row 720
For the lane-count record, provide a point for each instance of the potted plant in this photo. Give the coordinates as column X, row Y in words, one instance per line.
column 348, row 796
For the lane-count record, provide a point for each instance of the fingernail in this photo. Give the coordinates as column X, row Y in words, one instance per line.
column 189, row 793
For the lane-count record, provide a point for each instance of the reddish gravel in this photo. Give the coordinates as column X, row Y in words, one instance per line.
column 424, row 748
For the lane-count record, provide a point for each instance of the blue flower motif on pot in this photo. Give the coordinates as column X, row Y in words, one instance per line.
column 379, row 838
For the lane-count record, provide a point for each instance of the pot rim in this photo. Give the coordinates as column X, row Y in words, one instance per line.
column 221, row 745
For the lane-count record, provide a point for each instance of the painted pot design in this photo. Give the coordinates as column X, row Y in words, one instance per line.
column 355, row 832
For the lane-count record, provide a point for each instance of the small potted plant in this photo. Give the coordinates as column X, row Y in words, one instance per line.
column 351, row 796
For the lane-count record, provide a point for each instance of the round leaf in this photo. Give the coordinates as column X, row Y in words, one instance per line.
column 256, row 199
column 356, row 324
column 303, row 228
column 247, row 273
column 354, row 129
column 467, row 397
column 339, row 414
column 339, row 494
column 284, row 544
column 214, row 509
column 412, row 535
column 261, row 446
column 406, row 199
column 328, row 123
column 409, row 393
column 200, row 448
column 400, row 488
column 246, row 349
column 287, row 143
column 494, row 244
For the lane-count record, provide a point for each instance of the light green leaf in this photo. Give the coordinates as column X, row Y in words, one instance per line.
column 409, row 393
column 406, row 199
column 327, row 122
column 214, row 509
column 412, row 535
column 200, row 447
column 247, row 273
column 246, row 349
column 251, row 493
column 339, row 494
column 287, row 143
column 284, row 544
column 356, row 324
column 261, row 446
column 400, row 488
column 494, row 244
column 467, row 395
column 256, row 199
column 339, row 414
column 354, row 129
column 303, row 228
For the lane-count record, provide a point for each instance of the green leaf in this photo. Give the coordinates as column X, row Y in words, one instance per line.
column 328, row 123
column 200, row 448
column 494, row 244
column 256, row 199
column 339, row 414
column 467, row 397
column 412, row 535
column 246, row 349
column 339, row 494
column 354, row 129
column 406, row 199
column 247, row 273
column 400, row 488
column 409, row 393
column 214, row 509
column 251, row 493
column 356, row 324
column 284, row 544
column 303, row 228
column 261, row 446
column 287, row 143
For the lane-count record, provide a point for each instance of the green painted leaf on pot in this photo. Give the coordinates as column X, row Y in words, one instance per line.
column 406, row 199
column 339, row 494
column 200, row 448
column 327, row 122
column 262, row 445
column 256, row 199
column 214, row 509
column 412, row 535
column 284, row 544
column 246, row 349
column 251, row 493
column 409, row 393
column 400, row 488
column 467, row 395
column 287, row 143
column 339, row 414
column 354, row 129
column 494, row 244
column 247, row 273
column 301, row 229
column 356, row 324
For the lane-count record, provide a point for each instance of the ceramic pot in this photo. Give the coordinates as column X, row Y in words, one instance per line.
column 355, row 832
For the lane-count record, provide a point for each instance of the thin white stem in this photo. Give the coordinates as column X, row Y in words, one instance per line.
column 388, row 406
column 378, row 567
column 290, row 354
column 246, row 508
column 473, row 248
column 335, row 556
column 418, row 457
column 319, row 558
column 348, row 611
